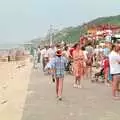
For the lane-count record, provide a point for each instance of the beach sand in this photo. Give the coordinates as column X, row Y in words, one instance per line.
column 14, row 80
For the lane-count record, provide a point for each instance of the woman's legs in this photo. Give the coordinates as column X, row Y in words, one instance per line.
column 85, row 73
column 79, row 82
column 118, row 83
column 89, row 72
column 115, row 85
column 106, row 73
column 76, row 81
column 57, row 86
column 60, row 88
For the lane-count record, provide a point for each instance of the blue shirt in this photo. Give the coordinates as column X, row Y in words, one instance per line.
column 106, row 51
column 59, row 64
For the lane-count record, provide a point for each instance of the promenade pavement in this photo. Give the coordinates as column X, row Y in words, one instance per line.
column 92, row 102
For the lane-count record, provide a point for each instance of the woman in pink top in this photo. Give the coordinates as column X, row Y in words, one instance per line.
column 78, row 65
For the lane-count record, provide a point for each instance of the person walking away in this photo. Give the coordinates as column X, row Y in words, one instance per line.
column 89, row 62
column 32, row 53
column 66, row 55
column 86, row 59
column 114, row 60
column 58, row 64
column 51, row 54
column 35, row 58
column 44, row 55
column 89, row 48
column 39, row 54
column 96, row 53
column 78, row 65
column 106, row 52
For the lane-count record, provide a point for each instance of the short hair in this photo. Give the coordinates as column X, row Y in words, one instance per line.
column 66, row 48
column 89, row 44
column 38, row 46
column 75, row 46
column 83, row 48
column 113, row 46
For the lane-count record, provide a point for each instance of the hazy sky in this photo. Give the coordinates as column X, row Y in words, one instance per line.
column 22, row 20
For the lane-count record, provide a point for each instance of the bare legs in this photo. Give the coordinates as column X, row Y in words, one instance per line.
column 88, row 72
column 59, row 87
column 77, row 82
column 115, row 85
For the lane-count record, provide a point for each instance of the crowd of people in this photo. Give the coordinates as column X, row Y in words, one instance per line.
column 97, row 64
column 13, row 54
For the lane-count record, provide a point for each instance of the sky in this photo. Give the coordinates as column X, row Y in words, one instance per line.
column 23, row 20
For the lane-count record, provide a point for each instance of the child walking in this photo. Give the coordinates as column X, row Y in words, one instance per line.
column 58, row 64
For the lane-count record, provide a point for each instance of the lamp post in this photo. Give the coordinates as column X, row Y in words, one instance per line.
column 51, row 34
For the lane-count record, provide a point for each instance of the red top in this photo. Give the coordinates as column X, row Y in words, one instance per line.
column 106, row 63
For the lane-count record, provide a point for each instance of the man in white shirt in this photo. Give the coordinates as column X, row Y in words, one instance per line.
column 44, row 56
column 114, row 60
column 89, row 49
column 51, row 52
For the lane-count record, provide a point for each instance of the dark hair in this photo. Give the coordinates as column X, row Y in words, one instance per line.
column 113, row 47
column 57, row 45
column 75, row 46
column 83, row 48
column 89, row 44
column 66, row 48
column 65, row 44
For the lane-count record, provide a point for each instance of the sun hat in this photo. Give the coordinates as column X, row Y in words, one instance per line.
column 59, row 52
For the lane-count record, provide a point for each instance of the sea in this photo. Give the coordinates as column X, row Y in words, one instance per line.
column 8, row 46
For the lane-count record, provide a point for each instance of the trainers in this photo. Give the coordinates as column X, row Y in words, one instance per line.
column 79, row 86
column 75, row 85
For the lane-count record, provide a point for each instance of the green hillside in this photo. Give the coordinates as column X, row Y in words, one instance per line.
column 115, row 20
column 73, row 34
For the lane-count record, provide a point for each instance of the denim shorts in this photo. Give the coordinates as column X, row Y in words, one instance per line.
column 109, row 76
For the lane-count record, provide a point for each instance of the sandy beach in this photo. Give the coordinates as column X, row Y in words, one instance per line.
column 14, row 79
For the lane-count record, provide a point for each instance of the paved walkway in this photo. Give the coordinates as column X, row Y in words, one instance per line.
column 93, row 102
